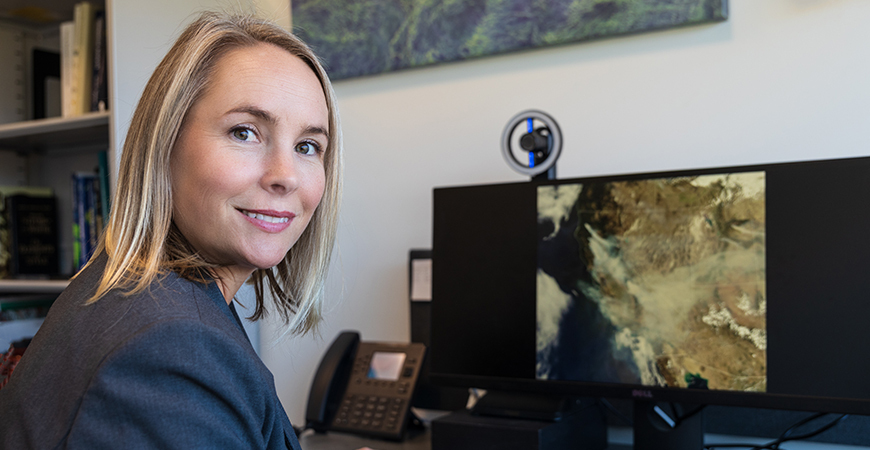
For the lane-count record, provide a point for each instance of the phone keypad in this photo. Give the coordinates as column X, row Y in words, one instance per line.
column 370, row 412
column 378, row 396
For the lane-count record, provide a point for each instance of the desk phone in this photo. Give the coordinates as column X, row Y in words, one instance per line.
column 365, row 387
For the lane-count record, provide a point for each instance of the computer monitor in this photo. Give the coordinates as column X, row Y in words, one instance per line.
column 745, row 286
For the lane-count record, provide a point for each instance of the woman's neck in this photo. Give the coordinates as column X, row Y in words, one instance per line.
column 230, row 279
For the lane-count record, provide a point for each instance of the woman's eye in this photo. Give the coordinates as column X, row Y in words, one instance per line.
column 244, row 134
column 307, row 148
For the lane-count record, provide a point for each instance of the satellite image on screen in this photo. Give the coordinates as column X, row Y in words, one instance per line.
column 657, row 282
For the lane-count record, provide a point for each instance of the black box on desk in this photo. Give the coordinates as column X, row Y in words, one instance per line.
column 584, row 430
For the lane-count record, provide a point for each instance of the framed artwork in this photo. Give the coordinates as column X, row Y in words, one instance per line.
column 365, row 37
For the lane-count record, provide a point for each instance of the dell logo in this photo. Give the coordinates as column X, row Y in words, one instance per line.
column 641, row 393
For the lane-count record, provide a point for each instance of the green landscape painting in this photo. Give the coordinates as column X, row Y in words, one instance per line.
column 364, row 37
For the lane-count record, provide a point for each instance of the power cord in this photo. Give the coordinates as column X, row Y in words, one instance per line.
column 615, row 411
column 680, row 418
column 785, row 436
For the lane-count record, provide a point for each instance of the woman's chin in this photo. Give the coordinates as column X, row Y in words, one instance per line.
column 268, row 262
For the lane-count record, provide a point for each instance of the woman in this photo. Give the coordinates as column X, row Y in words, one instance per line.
column 230, row 172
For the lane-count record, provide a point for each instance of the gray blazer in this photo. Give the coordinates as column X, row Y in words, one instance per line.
column 169, row 368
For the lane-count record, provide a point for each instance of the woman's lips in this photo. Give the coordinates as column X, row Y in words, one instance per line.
column 269, row 220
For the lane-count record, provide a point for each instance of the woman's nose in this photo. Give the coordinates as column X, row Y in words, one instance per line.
column 281, row 172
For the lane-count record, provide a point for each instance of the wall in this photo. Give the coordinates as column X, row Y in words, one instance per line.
column 781, row 80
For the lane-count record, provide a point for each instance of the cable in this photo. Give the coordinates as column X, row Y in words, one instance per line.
column 616, row 412
column 680, row 419
column 784, row 437
column 832, row 424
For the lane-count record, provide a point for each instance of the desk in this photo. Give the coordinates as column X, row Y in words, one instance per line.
column 343, row 441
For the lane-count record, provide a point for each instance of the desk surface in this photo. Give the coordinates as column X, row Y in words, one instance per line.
column 342, row 441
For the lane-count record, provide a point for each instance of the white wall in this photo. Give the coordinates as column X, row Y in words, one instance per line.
column 781, row 80
column 141, row 32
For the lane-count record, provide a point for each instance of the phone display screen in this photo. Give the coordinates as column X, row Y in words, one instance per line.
column 386, row 365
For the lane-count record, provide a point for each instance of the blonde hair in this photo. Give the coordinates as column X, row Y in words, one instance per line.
column 141, row 240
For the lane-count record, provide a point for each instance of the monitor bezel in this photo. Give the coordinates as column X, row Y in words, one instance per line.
column 765, row 400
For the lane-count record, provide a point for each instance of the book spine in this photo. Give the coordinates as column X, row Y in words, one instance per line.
column 98, row 209
column 81, row 223
column 7, row 192
column 87, row 214
column 83, row 56
column 76, row 62
column 93, row 214
column 14, row 75
column 76, row 228
column 67, row 44
column 103, row 159
column 99, row 87
column 33, row 234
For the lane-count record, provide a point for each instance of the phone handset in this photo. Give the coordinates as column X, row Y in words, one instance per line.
column 330, row 381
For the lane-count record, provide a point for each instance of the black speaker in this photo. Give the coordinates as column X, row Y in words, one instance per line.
column 427, row 395
column 583, row 430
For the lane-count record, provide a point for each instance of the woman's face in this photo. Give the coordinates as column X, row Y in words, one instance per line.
column 247, row 169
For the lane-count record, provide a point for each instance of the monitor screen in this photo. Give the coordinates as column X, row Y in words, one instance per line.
column 654, row 282
column 737, row 286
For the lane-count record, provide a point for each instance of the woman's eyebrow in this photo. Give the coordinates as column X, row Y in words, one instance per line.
column 256, row 112
column 317, row 130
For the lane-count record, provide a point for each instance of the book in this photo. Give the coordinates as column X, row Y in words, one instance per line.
column 13, row 76
column 103, row 172
column 83, row 57
column 88, row 215
column 92, row 214
column 67, row 44
column 5, row 237
column 82, row 198
column 100, row 85
column 33, row 236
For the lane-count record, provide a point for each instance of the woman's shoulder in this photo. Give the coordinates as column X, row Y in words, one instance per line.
column 163, row 346
column 92, row 329
column 79, row 341
column 168, row 296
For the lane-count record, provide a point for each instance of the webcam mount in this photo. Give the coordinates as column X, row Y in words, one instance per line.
column 531, row 144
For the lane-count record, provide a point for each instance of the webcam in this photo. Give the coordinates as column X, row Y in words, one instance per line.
column 531, row 144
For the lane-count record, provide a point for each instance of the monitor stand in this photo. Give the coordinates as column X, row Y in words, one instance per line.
column 656, row 428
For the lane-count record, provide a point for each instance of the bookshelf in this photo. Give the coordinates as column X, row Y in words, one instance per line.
column 32, row 286
column 46, row 151
column 56, row 132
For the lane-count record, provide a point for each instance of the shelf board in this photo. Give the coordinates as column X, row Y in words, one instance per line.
column 33, row 286
column 40, row 13
column 87, row 129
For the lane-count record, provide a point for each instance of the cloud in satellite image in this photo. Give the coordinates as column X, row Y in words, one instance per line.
column 658, row 282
